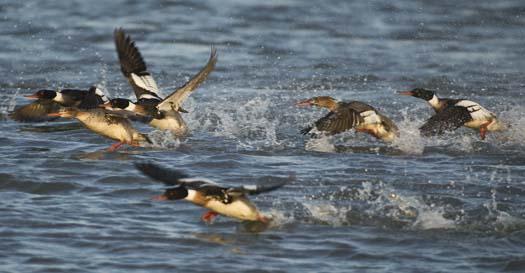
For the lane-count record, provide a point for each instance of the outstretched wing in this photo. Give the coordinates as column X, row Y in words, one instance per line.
column 35, row 112
column 167, row 176
column 172, row 177
column 134, row 68
column 270, row 184
column 448, row 119
column 338, row 121
column 175, row 99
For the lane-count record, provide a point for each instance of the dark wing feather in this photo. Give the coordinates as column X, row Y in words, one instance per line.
column 91, row 99
column 133, row 66
column 175, row 99
column 270, row 184
column 448, row 119
column 167, row 176
column 36, row 111
column 338, row 121
column 129, row 56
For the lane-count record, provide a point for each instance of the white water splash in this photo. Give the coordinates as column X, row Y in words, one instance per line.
column 322, row 144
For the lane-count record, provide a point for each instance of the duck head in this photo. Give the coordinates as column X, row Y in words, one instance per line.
column 118, row 103
column 322, row 101
column 419, row 93
column 43, row 94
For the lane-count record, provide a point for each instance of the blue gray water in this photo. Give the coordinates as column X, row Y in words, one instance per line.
column 447, row 204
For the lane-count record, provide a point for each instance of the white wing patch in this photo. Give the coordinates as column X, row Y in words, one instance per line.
column 145, row 82
column 197, row 180
column 370, row 117
column 101, row 94
column 59, row 98
column 477, row 112
column 250, row 187
column 434, row 102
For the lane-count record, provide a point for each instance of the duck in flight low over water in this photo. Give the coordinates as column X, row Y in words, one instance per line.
column 51, row 101
column 228, row 201
column 164, row 113
column 106, row 124
column 454, row 113
column 344, row 116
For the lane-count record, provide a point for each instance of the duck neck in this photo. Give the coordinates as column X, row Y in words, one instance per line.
column 330, row 104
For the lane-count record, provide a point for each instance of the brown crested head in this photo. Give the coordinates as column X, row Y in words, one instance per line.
column 321, row 101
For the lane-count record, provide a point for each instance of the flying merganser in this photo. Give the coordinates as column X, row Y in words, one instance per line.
column 165, row 113
column 227, row 201
column 50, row 101
column 106, row 124
column 81, row 99
column 344, row 116
column 454, row 113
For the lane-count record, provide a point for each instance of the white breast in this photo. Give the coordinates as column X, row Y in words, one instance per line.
column 173, row 123
column 97, row 123
column 477, row 112
column 241, row 209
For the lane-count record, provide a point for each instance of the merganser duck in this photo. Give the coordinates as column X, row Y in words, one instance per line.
column 106, row 124
column 50, row 101
column 454, row 113
column 165, row 112
column 344, row 116
column 36, row 111
column 81, row 99
column 228, row 201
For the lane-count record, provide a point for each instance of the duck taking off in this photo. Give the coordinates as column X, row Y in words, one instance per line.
column 454, row 113
column 106, row 124
column 228, row 201
column 356, row 115
column 51, row 101
column 164, row 113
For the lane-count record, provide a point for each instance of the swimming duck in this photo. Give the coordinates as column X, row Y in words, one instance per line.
column 50, row 101
column 344, row 116
column 454, row 113
column 165, row 113
column 228, row 201
column 106, row 124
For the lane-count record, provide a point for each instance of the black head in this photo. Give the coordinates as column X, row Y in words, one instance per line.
column 43, row 94
column 176, row 193
column 120, row 103
column 419, row 93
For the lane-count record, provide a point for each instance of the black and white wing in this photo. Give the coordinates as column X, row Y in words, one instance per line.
column 175, row 99
column 448, row 119
column 270, row 184
column 172, row 177
column 134, row 68
column 167, row 176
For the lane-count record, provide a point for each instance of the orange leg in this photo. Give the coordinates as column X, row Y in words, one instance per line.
column 115, row 146
column 209, row 216
column 483, row 129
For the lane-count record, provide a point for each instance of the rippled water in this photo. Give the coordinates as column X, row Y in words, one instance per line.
column 447, row 204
